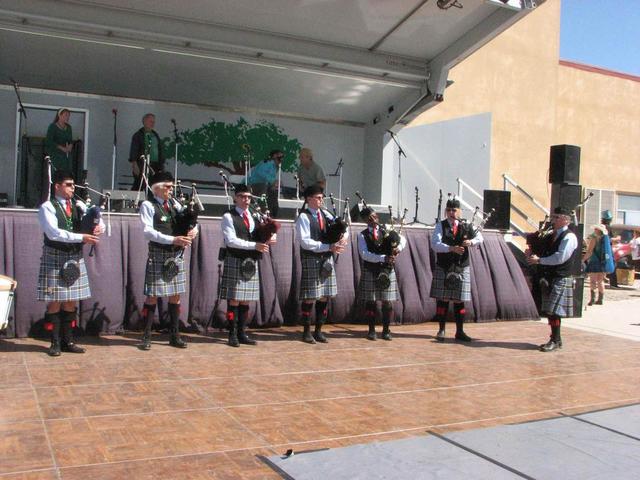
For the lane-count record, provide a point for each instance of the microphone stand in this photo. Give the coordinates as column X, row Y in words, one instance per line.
column 23, row 135
column 177, row 141
column 113, row 155
column 399, row 188
column 415, row 220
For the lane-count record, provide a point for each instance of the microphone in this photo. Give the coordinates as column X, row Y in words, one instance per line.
column 15, row 84
column 173, row 120
column 114, row 111
column 295, row 177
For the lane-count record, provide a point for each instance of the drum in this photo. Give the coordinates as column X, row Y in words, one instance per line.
column 7, row 289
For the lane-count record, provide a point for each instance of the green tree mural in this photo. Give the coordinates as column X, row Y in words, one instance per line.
column 227, row 145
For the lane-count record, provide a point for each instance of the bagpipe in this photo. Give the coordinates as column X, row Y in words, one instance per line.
column 469, row 230
column 391, row 239
column 186, row 219
column 266, row 227
column 336, row 227
column 540, row 241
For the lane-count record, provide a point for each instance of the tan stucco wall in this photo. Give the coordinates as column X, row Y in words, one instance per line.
column 601, row 114
column 535, row 102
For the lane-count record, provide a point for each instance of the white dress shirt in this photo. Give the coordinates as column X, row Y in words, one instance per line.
column 229, row 231
column 368, row 256
column 567, row 246
column 438, row 246
column 49, row 221
column 303, row 231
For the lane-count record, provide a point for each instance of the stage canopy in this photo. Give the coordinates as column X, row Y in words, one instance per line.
column 359, row 62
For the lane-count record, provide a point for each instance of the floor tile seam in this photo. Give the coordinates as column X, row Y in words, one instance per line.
column 324, row 399
column 248, row 430
column 25, row 472
column 533, row 353
column 277, row 445
column 44, row 426
column 598, row 425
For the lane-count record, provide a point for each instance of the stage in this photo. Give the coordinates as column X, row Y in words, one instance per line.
column 213, row 412
column 116, row 272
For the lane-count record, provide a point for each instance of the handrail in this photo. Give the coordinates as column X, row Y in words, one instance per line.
column 462, row 184
column 508, row 179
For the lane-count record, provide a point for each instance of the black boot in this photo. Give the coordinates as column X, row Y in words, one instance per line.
column 387, row 315
column 243, row 314
column 555, row 341
column 232, row 319
column 305, row 319
column 370, row 313
column 174, row 316
column 593, row 298
column 67, row 323
column 458, row 309
column 148, row 312
column 441, row 316
column 321, row 317
column 600, row 298
column 52, row 321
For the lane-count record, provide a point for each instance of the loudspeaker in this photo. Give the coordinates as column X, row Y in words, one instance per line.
column 564, row 164
column 565, row 195
column 500, row 201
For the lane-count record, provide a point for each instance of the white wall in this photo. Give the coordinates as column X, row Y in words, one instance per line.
column 436, row 155
column 330, row 142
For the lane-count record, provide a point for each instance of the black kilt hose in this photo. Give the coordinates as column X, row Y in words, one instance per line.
column 369, row 291
column 441, row 292
column 233, row 286
column 154, row 283
column 315, row 282
column 558, row 298
column 51, row 286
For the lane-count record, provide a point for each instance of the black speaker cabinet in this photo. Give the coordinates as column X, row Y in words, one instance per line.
column 564, row 164
column 500, row 201
column 565, row 195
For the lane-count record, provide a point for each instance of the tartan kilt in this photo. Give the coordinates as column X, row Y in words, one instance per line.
column 312, row 287
column 51, row 286
column 369, row 292
column 558, row 298
column 440, row 292
column 154, row 284
column 233, row 286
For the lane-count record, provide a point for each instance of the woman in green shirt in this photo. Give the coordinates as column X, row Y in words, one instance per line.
column 59, row 143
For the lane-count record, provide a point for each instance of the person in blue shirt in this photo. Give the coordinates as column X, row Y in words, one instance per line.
column 264, row 179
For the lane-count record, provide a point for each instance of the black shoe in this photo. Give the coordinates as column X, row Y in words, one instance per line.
column 386, row 335
column 54, row 349
column 244, row 339
column 550, row 346
column 463, row 337
column 440, row 335
column 319, row 337
column 600, row 299
column 177, row 342
column 307, row 337
column 146, row 343
column 372, row 333
column 557, row 342
column 233, row 335
column 71, row 348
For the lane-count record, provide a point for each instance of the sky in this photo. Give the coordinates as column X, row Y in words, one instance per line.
column 602, row 33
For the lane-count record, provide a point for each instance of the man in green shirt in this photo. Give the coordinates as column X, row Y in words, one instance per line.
column 145, row 141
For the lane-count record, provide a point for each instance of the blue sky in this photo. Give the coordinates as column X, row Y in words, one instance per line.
column 603, row 33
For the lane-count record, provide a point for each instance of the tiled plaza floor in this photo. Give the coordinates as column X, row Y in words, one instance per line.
column 211, row 411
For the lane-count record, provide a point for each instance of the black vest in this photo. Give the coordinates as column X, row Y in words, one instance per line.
column 445, row 260
column 564, row 269
column 374, row 246
column 62, row 225
column 243, row 233
column 314, row 230
column 163, row 222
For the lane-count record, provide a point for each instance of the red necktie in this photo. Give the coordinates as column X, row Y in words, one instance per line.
column 455, row 228
column 245, row 218
column 166, row 206
column 375, row 233
column 320, row 221
column 68, row 208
